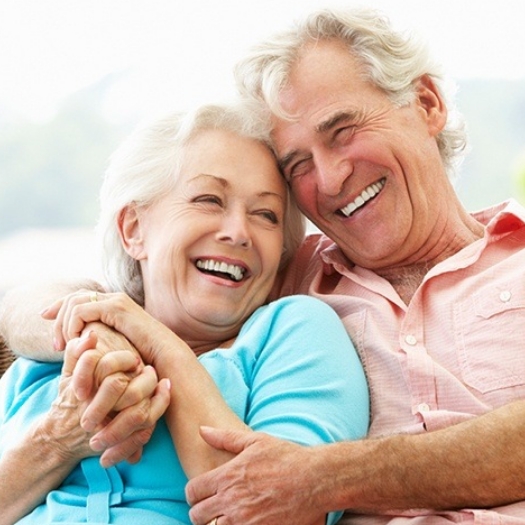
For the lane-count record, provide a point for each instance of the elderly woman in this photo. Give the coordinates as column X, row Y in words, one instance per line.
column 196, row 222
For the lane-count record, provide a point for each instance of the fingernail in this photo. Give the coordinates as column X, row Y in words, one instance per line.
column 56, row 345
column 44, row 311
column 88, row 425
column 85, row 335
column 97, row 445
column 81, row 394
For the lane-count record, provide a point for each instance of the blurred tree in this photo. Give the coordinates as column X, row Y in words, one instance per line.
column 51, row 172
column 519, row 178
column 494, row 111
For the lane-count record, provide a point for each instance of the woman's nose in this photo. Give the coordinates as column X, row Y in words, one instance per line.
column 235, row 230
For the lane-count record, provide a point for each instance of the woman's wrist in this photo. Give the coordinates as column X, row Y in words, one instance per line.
column 59, row 435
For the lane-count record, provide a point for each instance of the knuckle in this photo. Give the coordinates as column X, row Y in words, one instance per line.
column 116, row 384
column 139, row 417
column 90, row 358
column 130, row 397
column 143, row 436
column 144, row 415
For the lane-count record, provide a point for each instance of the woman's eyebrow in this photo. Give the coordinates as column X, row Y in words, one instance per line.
column 223, row 182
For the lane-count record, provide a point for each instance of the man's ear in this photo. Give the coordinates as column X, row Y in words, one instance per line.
column 432, row 104
column 130, row 231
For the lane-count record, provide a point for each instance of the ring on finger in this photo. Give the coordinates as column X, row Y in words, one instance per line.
column 213, row 521
column 93, row 297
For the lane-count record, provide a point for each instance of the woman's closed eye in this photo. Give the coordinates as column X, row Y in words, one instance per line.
column 208, row 199
column 268, row 215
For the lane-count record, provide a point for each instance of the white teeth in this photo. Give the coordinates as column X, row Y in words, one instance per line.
column 236, row 272
column 365, row 196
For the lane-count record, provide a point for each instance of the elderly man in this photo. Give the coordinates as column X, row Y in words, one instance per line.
column 431, row 295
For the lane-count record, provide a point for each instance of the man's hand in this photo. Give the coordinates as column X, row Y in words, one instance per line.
column 254, row 488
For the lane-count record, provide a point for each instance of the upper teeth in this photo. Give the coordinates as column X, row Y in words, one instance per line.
column 235, row 271
column 366, row 195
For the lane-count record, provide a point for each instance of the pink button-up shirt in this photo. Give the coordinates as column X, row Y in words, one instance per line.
column 455, row 352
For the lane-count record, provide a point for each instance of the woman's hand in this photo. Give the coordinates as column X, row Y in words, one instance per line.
column 62, row 424
column 78, row 311
column 123, row 399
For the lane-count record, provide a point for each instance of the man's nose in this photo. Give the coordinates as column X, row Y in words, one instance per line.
column 332, row 172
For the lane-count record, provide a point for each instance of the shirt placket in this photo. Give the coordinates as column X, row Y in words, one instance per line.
column 420, row 368
column 105, row 489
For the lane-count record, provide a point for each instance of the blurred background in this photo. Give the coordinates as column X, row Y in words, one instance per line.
column 76, row 76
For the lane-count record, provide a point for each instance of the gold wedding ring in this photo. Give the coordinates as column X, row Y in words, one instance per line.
column 93, row 297
column 213, row 521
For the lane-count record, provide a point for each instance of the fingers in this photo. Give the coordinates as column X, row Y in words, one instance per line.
column 234, row 441
column 119, row 390
column 206, row 511
column 141, row 386
column 201, row 492
column 75, row 349
column 60, row 311
column 129, row 450
column 131, row 429
column 50, row 313
column 135, row 418
column 75, row 314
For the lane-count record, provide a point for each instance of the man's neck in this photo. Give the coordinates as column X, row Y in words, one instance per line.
column 407, row 276
column 406, row 280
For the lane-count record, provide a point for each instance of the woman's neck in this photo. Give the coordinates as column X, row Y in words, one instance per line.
column 202, row 348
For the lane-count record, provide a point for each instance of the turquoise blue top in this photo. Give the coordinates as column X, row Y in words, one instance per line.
column 292, row 372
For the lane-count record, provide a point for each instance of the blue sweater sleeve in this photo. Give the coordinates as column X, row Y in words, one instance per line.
column 27, row 389
column 308, row 385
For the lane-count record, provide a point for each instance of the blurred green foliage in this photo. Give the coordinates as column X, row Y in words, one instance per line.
column 50, row 173
column 494, row 111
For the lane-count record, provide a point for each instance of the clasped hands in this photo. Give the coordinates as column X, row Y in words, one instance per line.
column 118, row 399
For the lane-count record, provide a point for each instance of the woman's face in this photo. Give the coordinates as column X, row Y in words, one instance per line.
column 210, row 249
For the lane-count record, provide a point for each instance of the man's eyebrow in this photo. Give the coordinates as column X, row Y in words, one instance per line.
column 334, row 120
column 327, row 125
column 287, row 159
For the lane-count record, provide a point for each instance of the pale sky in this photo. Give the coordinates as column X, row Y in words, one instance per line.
column 172, row 54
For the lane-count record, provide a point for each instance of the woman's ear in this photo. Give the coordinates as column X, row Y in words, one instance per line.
column 432, row 104
column 130, row 231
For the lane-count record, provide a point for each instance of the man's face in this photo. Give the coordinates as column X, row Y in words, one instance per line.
column 365, row 171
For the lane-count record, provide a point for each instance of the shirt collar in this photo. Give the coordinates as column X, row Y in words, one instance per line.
column 499, row 220
column 502, row 218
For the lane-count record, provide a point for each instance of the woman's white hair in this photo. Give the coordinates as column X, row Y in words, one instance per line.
column 391, row 60
column 146, row 166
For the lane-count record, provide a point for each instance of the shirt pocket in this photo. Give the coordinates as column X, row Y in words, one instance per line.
column 490, row 325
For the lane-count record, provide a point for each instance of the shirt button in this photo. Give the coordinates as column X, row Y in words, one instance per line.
column 411, row 340
column 505, row 296
column 423, row 407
